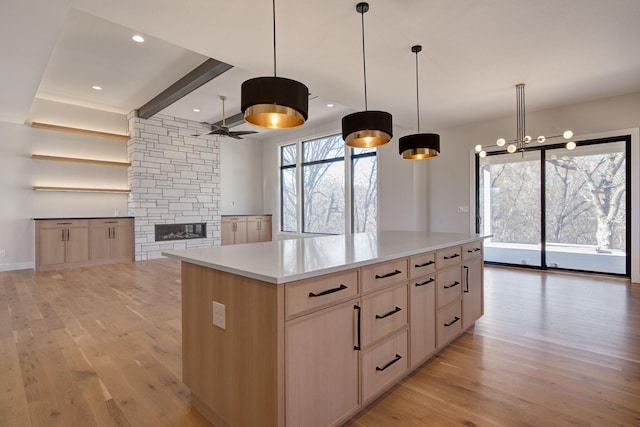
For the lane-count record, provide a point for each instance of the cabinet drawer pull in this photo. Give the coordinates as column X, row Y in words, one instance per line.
column 328, row 291
column 455, row 319
column 111, row 222
column 456, row 283
column 430, row 280
column 466, row 273
column 64, row 223
column 357, row 346
column 473, row 250
column 452, row 256
column 384, row 276
column 425, row 264
column 398, row 357
column 394, row 311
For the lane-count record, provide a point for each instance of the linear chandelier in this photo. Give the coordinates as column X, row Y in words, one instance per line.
column 519, row 144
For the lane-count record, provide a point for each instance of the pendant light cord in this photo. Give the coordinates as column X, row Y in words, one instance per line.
column 274, row 37
column 417, row 93
column 364, row 62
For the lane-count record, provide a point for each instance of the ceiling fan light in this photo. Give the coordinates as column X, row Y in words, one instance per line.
column 274, row 102
column 419, row 146
column 367, row 129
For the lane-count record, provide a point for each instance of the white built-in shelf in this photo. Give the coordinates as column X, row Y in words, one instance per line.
column 88, row 132
column 81, row 190
column 79, row 160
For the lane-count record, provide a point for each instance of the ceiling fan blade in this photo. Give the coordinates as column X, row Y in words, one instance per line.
column 243, row 132
column 232, row 135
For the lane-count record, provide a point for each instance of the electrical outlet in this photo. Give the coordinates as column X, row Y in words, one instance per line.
column 3, row 253
column 219, row 315
column 463, row 209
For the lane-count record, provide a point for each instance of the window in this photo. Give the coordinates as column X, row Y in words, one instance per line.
column 319, row 178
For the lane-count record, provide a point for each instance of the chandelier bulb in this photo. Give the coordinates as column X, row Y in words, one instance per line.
column 478, row 148
column 567, row 134
column 541, row 139
column 500, row 142
column 511, row 148
column 571, row 145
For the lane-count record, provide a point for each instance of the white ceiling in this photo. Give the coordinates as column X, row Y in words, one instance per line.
column 474, row 52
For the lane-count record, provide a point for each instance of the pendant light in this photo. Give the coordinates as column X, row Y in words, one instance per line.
column 274, row 102
column 366, row 129
column 419, row 145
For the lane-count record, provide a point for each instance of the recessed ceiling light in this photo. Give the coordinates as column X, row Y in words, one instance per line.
column 196, row 110
column 138, row 38
column 96, row 87
column 330, row 105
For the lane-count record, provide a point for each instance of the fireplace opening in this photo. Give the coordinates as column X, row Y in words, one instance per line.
column 165, row 232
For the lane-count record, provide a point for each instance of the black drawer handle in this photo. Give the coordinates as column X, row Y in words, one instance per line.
column 398, row 357
column 358, row 346
column 473, row 250
column 455, row 319
column 430, row 280
column 111, row 222
column 425, row 264
column 452, row 256
column 64, row 223
column 328, row 291
column 466, row 272
column 393, row 273
column 454, row 284
column 394, row 311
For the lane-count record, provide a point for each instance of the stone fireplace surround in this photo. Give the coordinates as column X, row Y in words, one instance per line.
column 174, row 179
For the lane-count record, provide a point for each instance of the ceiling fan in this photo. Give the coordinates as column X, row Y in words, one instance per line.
column 224, row 130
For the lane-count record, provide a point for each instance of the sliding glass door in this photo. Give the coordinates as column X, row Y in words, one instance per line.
column 554, row 208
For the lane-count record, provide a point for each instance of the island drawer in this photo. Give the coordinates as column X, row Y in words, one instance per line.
column 449, row 286
column 385, row 273
column 449, row 323
column 422, row 264
column 472, row 250
column 318, row 292
column 383, row 365
column 383, row 313
column 448, row 257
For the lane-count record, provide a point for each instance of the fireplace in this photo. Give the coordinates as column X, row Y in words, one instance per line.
column 165, row 232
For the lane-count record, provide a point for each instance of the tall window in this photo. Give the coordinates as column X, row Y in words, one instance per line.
column 327, row 188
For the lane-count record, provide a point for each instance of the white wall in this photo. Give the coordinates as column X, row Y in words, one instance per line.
column 451, row 175
column 241, row 176
column 19, row 173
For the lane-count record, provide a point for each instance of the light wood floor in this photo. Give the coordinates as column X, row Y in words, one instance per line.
column 101, row 346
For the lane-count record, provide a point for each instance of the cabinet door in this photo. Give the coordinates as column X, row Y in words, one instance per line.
column 51, row 246
column 265, row 230
column 77, row 244
column 122, row 239
column 99, row 240
column 422, row 299
column 253, row 231
column 228, row 232
column 240, row 236
column 472, row 297
column 321, row 367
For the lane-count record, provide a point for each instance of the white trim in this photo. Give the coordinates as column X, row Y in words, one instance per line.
column 18, row 266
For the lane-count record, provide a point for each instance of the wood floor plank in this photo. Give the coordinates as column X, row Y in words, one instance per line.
column 101, row 346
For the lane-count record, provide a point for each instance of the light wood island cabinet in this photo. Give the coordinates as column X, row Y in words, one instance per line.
column 315, row 329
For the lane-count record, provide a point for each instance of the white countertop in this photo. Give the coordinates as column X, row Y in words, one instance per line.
column 284, row 261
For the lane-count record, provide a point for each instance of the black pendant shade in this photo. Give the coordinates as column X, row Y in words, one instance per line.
column 366, row 129
column 419, row 146
column 274, row 102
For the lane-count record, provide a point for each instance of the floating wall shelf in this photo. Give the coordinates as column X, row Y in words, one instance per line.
column 81, row 190
column 78, row 160
column 57, row 128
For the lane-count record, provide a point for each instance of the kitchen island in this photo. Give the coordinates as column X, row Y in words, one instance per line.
column 307, row 332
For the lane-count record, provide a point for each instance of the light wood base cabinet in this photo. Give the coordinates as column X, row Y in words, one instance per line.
column 314, row 352
column 63, row 243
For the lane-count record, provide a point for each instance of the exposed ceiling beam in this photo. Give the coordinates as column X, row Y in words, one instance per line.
column 235, row 120
column 205, row 72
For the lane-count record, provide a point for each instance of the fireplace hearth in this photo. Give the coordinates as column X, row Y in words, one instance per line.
column 166, row 232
